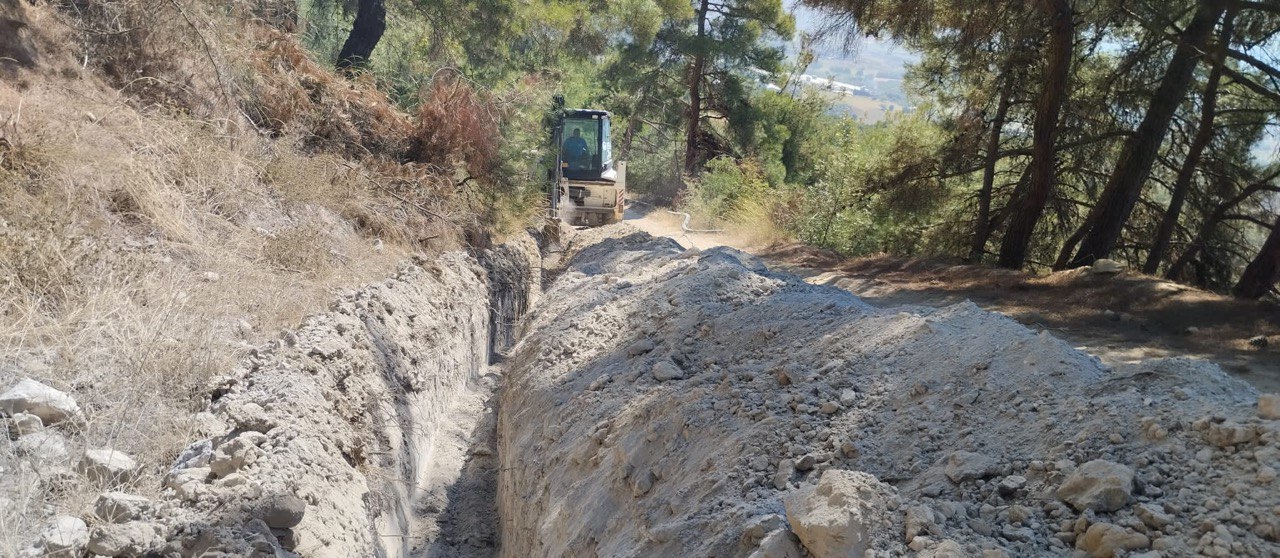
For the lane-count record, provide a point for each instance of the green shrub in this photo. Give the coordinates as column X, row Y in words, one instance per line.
column 726, row 188
column 878, row 193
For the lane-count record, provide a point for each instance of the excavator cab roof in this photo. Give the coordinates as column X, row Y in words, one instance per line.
column 570, row 113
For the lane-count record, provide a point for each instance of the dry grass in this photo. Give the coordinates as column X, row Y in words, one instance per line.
column 755, row 222
column 147, row 241
column 457, row 126
column 288, row 94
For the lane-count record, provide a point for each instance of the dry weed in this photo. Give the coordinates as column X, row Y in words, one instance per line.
column 288, row 93
column 457, row 125
column 132, row 274
column 144, row 48
column 299, row 250
column 41, row 256
column 755, row 222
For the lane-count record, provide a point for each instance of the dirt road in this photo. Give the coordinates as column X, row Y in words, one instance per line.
column 1121, row 319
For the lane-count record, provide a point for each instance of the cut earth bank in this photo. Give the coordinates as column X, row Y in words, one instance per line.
column 662, row 402
column 328, row 442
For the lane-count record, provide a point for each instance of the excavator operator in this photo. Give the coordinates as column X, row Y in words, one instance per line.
column 576, row 151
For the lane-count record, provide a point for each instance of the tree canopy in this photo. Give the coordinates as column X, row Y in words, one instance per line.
column 1042, row 135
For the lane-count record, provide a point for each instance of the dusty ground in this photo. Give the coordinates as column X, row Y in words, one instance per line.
column 1120, row 319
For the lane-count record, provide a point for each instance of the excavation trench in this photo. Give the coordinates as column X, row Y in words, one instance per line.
column 367, row 431
column 662, row 402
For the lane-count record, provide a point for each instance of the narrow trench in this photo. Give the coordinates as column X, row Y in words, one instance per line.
column 457, row 511
column 456, row 514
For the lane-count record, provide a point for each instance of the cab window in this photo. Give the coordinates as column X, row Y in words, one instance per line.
column 581, row 149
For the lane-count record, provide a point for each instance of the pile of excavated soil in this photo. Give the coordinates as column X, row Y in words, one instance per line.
column 673, row 403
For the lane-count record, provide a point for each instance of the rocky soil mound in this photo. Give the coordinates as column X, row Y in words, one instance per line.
column 673, row 403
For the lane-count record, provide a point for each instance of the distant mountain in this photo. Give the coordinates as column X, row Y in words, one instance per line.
column 878, row 65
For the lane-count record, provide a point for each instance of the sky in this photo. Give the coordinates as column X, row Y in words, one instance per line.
column 887, row 59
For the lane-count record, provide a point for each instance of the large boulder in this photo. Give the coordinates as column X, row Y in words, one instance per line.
column 134, row 538
column 1098, row 485
column 64, row 537
column 281, row 511
column 845, row 514
column 1269, row 406
column 236, row 453
column 107, row 466
column 26, row 423
column 1102, row 540
column 1105, row 266
column 45, row 446
column 960, row 466
column 1228, row 433
column 778, row 544
column 30, row 396
column 121, row 507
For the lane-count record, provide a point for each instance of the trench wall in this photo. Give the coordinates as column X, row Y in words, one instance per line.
column 332, row 421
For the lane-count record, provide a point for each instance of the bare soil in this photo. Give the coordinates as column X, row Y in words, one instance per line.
column 1119, row 318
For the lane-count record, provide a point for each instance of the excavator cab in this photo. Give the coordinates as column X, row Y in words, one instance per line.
column 588, row 185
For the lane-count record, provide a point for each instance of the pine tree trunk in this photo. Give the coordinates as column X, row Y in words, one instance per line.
column 1182, row 185
column 982, row 229
column 1107, row 219
column 1064, row 255
column 1211, row 222
column 1202, row 237
column 1263, row 271
column 1025, row 215
column 629, row 136
column 366, row 31
column 694, row 114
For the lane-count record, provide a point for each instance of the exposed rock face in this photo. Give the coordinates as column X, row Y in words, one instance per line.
column 846, row 514
column 32, row 397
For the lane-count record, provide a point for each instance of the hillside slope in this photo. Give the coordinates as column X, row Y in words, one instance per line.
column 177, row 183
